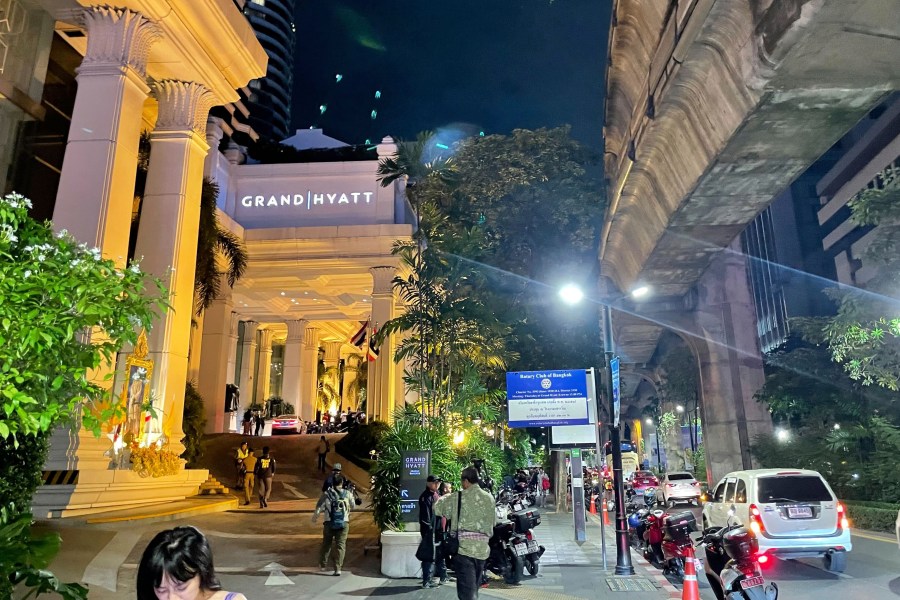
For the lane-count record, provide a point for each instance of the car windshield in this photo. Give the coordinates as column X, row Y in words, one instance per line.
column 680, row 476
column 793, row 488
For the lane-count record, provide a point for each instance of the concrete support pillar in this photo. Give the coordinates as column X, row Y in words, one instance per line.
column 309, row 380
column 167, row 237
column 230, row 374
column 213, row 371
column 332, row 376
column 731, row 366
column 293, row 351
column 264, row 352
column 248, row 363
column 96, row 187
column 382, row 382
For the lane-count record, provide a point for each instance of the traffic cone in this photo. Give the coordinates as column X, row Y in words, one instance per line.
column 691, row 589
column 593, row 505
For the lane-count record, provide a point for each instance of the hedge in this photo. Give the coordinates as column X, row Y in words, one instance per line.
column 872, row 518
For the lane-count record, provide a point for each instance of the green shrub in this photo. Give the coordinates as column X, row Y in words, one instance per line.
column 871, row 518
column 871, row 504
column 360, row 440
column 20, row 468
column 193, row 425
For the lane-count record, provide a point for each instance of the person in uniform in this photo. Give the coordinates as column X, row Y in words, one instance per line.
column 430, row 528
column 475, row 524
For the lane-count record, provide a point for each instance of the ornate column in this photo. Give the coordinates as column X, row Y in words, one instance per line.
column 309, row 381
column 214, row 135
column 248, row 360
column 96, row 188
column 230, row 375
column 264, row 351
column 382, row 383
column 293, row 350
column 332, row 363
column 167, row 237
column 213, row 368
column 352, row 364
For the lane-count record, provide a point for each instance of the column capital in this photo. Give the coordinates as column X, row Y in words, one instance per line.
column 265, row 340
column 382, row 279
column 311, row 336
column 296, row 330
column 250, row 328
column 183, row 106
column 332, row 352
column 214, row 132
column 116, row 37
column 233, row 323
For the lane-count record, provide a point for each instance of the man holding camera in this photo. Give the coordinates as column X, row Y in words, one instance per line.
column 472, row 515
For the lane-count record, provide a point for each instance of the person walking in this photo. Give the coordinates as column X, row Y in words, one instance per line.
column 323, row 450
column 246, row 421
column 471, row 512
column 260, row 421
column 242, row 453
column 430, row 530
column 335, row 503
column 249, row 475
column 265, row 473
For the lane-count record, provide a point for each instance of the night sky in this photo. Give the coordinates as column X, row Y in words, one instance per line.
column 492, row 65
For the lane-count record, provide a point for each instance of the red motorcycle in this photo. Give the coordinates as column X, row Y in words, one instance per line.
column 654, row 534
column 676, row 540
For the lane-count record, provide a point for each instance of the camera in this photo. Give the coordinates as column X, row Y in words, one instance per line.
column 351, row 487
column 484, row 479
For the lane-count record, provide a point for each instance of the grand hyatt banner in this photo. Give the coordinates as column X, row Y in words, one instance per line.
column 304, row 207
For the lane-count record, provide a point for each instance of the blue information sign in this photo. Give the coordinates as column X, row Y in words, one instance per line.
column 616, row 388
column 546, row 398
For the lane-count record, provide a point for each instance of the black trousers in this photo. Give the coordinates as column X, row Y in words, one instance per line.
column 436, row 567
column 468, row 576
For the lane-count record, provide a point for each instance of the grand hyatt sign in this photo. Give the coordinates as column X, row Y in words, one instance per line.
column 308, row 200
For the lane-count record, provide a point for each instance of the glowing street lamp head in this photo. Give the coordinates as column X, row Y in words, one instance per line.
column 648, row 421
column 640, row 291
column 782, row 435
column 679, row 408
column 571, row 294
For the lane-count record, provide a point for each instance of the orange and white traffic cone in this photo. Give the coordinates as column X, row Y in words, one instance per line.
column 593, row 505
column 691, row 589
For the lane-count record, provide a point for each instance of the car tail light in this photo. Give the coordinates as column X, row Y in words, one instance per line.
column 756, row 524
column 762, row 558
column 670, row 485
column 528, row 535
column 842, row 521
column 695, row 483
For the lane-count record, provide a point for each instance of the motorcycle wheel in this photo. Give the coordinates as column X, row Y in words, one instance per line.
column 532, row 565
column 513, row 574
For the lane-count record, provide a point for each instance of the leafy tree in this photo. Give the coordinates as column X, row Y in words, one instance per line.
column 193, row 425
column 864, row 336
column 215, row 245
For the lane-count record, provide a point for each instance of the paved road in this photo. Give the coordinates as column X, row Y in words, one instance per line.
column 873, row 573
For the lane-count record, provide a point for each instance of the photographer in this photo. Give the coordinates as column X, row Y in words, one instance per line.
column 484, row 479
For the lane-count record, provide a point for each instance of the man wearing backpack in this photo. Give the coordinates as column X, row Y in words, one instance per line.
column 335, row 503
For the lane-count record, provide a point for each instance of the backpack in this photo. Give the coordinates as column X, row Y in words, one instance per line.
column 545, row 483
column 337, row 516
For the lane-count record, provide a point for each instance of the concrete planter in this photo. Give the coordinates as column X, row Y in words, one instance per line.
column 398, row 554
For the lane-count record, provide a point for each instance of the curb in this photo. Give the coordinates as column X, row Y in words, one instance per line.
column 167, row 515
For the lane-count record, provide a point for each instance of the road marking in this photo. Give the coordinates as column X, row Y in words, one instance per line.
column 103, row 570
column 876, row 537
column 294, row 491
column 276, row 574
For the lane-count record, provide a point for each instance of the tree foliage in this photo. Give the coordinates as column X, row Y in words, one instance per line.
column 220, row 253
column 53, row 292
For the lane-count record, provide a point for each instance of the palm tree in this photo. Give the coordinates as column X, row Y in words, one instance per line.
column 213, row 242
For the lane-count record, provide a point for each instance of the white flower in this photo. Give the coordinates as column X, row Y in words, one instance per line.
column 27, row 274
column 41, row 258
column 135, row 268
column 62, row 233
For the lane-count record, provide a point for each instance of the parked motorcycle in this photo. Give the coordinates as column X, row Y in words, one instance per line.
column 513, row 547
column 676, row 541
column 653, row 535
column 732, row 566
column 637, row 515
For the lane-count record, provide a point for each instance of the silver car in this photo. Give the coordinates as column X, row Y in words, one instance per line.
column 679, row 486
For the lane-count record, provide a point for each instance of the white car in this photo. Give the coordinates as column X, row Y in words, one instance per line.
column 678, row 486
column 793, row 512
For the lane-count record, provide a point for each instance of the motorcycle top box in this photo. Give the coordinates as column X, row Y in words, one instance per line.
column 526, row 519
column 741, row 545
column 680, row 525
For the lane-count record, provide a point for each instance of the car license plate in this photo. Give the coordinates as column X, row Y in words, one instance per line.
column 799, row 512
column 521, row 549
column 752, row 582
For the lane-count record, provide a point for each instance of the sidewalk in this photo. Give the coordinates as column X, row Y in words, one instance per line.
column 568, row 571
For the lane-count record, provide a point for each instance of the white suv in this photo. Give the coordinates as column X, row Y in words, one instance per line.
column 793, row 512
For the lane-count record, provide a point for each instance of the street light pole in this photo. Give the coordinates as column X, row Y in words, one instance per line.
column 623, row 552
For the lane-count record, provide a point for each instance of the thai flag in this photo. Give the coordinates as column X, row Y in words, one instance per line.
column 359, row 337
column 372, row 353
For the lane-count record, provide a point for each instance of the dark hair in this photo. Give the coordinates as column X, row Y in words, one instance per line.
column 338, row 481
column 265, row 449
column 470, row 474
column 183, row 553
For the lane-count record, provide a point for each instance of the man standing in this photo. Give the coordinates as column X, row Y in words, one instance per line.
column 323, row 451
column 265, row 473
column 249, row 475
column 335, row 473
column 260, row 423
column 475, row 522
column 335, row 503
column 428, row 552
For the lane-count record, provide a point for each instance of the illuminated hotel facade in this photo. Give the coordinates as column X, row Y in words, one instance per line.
column 79, row 83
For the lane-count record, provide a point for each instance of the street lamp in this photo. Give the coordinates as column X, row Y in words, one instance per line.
column 571, row 294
